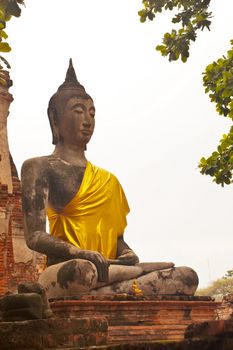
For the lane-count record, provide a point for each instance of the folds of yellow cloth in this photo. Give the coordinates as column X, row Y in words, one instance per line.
column 96, row 216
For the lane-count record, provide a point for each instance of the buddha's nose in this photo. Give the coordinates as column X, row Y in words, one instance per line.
column 87, row 120
column 87, row 123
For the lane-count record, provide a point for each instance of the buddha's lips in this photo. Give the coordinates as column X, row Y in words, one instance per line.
column 86, row 131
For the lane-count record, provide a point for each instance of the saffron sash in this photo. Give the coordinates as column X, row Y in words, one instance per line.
column 96, row 216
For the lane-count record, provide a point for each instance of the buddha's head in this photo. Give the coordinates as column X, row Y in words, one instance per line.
column 71, row 112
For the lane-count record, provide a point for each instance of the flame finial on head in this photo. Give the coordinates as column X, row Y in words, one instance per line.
column 70, row 74
column 71, row 81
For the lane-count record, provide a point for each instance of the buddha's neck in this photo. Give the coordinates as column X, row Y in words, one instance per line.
column 72, row 154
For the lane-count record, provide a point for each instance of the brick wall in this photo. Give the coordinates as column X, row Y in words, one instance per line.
column 6, row 247
column 225, row 309
column 4, row 224
column 12, row 270
column 17, row 262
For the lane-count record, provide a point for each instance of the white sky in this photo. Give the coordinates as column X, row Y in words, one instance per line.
column 153, row 120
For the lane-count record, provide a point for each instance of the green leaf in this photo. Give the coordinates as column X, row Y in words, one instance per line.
column 4, row 47
column 3, row 34
column 215, row 154
column 2, row 24
column 203, row 161
column 162, row 49
column 141, row 13
column 143, row 19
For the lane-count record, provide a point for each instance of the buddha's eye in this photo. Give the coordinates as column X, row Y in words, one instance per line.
column 92, row 112
column 79, row 110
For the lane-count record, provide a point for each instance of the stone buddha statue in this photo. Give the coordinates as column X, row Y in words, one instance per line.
column 86, row 208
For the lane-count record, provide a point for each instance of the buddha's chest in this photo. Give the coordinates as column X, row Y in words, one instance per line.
column 64, row 183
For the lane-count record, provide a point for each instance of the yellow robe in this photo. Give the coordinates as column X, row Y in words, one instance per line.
column 96, row 216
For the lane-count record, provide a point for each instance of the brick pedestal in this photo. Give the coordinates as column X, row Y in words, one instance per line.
column 53, row 334
column 207, row 329
column 140, row 320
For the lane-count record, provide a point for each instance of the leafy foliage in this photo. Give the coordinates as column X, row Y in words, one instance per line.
column 8, row 8
column 229, row 274
column 193, row 16
column 218, row 82
column 222, row 286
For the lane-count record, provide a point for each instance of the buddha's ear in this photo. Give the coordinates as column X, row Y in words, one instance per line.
column 53, row 120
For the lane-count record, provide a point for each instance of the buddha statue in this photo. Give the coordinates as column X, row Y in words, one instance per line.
column 86, row 208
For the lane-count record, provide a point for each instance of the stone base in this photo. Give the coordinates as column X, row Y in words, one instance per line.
column 53, row 333
column 141, row 320
column 207, row 344
column 216, row 328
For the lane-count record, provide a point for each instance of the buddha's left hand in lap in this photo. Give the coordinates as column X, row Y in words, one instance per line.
column 128, row 258
column 125, row 255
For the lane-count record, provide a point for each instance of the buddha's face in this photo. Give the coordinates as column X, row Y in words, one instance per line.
column 76, row 123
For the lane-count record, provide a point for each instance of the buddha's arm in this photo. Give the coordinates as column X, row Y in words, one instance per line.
column 125, row 254
column 35, row 189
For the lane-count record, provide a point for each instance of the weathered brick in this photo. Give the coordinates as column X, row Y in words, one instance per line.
column 53, row 333
column 140, row 320
column 11, row 217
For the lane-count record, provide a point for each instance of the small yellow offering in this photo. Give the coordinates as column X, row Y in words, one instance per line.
column 136, row 291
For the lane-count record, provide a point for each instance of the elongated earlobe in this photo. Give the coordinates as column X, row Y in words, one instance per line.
column 54, row 125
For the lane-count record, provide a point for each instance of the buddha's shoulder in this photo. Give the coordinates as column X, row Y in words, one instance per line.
column 105, row 173
column 36, row 164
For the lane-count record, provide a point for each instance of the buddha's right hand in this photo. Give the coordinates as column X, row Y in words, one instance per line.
column 98, row 260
